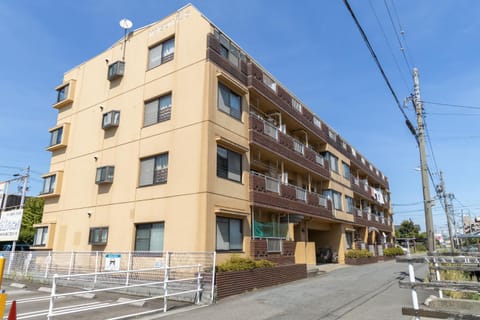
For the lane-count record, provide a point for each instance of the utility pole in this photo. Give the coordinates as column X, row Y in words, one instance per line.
column 442, row 194
column 22, row 199
column 427, row 204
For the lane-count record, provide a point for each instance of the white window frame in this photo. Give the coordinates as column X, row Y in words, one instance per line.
column 225, row 101
column 41, row 236
column 157, row 110
column 150, row 167
column 56, row 136
column 223, row 245
column 49, row 183
column 161, row 53
column 231, row 173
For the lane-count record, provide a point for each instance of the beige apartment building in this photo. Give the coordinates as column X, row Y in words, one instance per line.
column 177, row 140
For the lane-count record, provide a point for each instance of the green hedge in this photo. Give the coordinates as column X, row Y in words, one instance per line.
column 356, row 253
column 236, row 263
column 391, row 252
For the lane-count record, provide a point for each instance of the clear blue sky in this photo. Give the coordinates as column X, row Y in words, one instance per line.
column 312, row 47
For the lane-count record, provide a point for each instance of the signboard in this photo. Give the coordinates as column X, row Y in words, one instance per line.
column 112, row 261
column 10, row 223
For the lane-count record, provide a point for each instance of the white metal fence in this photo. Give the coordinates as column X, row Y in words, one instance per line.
column 41, row 266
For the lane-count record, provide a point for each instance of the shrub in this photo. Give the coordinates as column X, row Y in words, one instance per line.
column 355, row 254
column 236, row 263
column 391, row 252
column 420, row 247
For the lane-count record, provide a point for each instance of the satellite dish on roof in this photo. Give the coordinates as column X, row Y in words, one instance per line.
column 125, row 23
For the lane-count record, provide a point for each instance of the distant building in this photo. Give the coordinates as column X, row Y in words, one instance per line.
column 190, row 145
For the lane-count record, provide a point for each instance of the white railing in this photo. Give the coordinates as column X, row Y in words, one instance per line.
column 298, row 146
column 364, row 183
column 158, row 282
column 272, row 185
column 358, row 211
column 270, row 130
column 319, row 159
column 274, row 244
column 300, row 194
column 376, row 218
column 369, row 216
column 383, row 220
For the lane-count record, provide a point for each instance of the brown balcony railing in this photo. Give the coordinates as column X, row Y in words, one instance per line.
column 265, row 135
column 287, row 197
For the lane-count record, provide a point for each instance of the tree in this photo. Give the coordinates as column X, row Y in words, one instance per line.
column 32, row 213
column 407, row 229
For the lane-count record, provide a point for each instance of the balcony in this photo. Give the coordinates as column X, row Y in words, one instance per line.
column 366, row 218
column 284, row 101
column 213, row 54
column 270, row 193
column 267, row 136
column 360, row 186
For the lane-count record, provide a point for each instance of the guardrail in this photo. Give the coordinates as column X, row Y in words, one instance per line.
column 157, row 280
column 438, row 263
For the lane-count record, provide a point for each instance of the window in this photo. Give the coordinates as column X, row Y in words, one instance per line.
column 56, row 136
column 229, row 102
column 41, row 235
column 98, row 236
column 346, row 170
column 110, row 119
column 48, row 184
column 229, row 164
column 161, row 53
column 116, row 70
column 297, row 105
column 349, row 201
column 149, row 236
column 158, row 110
column 229, row 234
column 154, row 170
column 269, row 82
column 317, row 122
column 62, row 93
column 332, row 135
column 333, row 161
column 228, row 50
column 337, row 200
column 104, row 174
column 348, row 239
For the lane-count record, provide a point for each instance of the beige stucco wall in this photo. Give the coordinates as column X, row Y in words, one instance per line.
column 189, row 201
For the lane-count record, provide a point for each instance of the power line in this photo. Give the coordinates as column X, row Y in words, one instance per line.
column 429, row 141
column 452, row 105
column 452, row 114
column 375, row 58
column 402, row 32
column 388, row 44
column 402, row 49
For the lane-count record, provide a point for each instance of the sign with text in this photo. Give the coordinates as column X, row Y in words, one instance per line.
column 10, row 223
column 112, row 262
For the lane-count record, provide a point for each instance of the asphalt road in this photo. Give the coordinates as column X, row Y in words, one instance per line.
column 352, row 293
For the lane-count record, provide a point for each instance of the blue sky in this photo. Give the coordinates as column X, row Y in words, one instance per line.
column 312, row 47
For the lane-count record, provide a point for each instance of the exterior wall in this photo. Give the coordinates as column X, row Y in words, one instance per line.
column 194, row 196
column 183, row 202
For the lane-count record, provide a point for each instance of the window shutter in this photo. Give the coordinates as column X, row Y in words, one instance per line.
column 146, row 171
column 151, row 113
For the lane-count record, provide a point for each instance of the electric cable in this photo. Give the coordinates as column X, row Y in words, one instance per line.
column 402, row 49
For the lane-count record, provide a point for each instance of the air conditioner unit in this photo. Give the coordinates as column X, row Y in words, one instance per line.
column 116, row 70
column 110, row 119
column 104, row 175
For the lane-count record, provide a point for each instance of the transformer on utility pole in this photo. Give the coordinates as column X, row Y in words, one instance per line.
column 427, row 204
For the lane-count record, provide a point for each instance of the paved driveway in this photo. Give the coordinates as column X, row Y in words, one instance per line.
column 352, row 293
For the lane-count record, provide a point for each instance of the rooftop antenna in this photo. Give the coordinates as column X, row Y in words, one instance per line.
column 125, row 24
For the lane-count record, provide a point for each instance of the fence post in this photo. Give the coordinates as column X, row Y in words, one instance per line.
column 213, row 276
column 199, row 284
column 96, row 267
column 10, row 261
column 411, row 273
column 129, row 262
column 70, row 264
column 48, row 263
column 437, row 274
column 52, row 297
column 165, row 283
